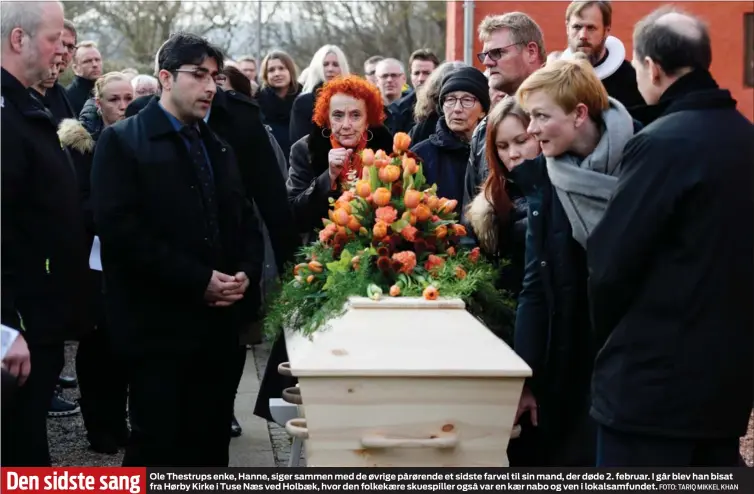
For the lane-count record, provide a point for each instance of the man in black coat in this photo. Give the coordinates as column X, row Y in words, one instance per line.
column 671, row 268
column 87, row 65
column 181, row 255
column 44, row 251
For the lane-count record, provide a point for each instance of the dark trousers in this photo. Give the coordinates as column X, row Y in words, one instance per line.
column 103, row 385
column 240, row 361
column 181, row 407
column 24, row 423
column 621, row 449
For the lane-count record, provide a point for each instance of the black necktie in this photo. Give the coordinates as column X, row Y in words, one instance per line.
column 199, row 159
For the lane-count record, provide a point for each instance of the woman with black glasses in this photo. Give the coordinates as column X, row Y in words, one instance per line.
column 464, row 101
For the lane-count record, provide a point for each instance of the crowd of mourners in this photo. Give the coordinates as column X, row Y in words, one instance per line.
column 147, row 216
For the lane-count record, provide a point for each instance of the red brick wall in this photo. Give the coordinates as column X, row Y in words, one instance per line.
column 725, row 19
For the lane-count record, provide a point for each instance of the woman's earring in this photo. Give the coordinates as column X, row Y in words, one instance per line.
column 99, row 111
column 329, row 133
column 370, row 136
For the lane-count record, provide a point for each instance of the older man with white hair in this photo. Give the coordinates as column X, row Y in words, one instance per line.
column 145, row 85
column 44, row 251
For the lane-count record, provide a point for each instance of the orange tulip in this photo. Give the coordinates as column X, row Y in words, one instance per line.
column 433, row 262
column 460, row 273
column 381, row 197
column 412, row 198
column 340, row 216
column 367, row 157
column 380, row 155
column 401, row 142
column 297, row 268
column 380, row 164
column 363, row 231
column 344, row 205
column 474, row 254
column 459, row 230
column 451, row 251
column 380, row 230
column 346, row 196
column 389, row 174
column 310, row 278
column 409, row 164
column 450, row 206
column 315, row 267
column 441, row 232
column 422, row 212
column 430, row 293
column 395, row 290
column 353, row 224
column 433, row 202
column 363, row 189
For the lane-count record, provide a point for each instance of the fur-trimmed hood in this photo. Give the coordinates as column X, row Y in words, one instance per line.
column 483, row 221
column 72, row 134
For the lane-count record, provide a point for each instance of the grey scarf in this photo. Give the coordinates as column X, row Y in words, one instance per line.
column 584, row 187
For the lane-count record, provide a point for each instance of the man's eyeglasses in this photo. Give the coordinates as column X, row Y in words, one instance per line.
column 203, row 74
column 69, row 47
column 466, row 102
column 495, row 54
column 385, row 77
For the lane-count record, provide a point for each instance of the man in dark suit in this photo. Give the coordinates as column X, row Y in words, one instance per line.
column 671, row 268
column 44, row 251
column 182, row 255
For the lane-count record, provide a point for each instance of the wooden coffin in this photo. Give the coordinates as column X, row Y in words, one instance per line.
column 406, row 382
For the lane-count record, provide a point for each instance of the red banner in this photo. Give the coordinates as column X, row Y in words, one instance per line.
column 73, row 480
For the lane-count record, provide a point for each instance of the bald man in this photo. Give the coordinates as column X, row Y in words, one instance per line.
column 671, row 267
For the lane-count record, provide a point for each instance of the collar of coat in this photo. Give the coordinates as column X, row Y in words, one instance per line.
column 157, row 124
column 696, row 90
column 319, row 145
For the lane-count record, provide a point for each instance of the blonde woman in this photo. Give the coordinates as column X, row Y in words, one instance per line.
column 327, row 63
column 101, row 376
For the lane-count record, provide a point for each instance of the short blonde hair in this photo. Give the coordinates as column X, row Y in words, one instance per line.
column 102, row 81
column 568, row 82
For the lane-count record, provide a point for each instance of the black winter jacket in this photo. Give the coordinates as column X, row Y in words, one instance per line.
column 301, row 115
column 44, row 251
column 276, row 113
column 55, row 99
column 672, row 275
column 445, row 157
column 476, row 169
column 78, row 92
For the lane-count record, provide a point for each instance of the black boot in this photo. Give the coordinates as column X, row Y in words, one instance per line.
column 235, row 428
column 101, row 440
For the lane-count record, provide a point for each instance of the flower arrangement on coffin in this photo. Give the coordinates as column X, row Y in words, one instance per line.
column 387, row 235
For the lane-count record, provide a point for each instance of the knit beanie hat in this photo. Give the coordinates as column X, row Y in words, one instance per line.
column 470, row 80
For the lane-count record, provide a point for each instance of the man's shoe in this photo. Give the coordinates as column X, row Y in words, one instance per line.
column 61, row 407
column 103, row 443
column 67, row 382
column 235, row 428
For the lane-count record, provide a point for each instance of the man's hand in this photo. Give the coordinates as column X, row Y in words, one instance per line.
column 18, row 360
column 233, row 294
column 527, row 403
column 219, row 284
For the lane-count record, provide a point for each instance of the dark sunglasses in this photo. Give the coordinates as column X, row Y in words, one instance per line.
column 495, row 54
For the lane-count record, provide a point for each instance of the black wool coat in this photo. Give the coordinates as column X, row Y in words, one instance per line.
column 45, row 256
column 671, row 273
column 157, row 255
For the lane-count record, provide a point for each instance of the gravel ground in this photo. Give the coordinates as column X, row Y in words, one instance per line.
column 69, row 447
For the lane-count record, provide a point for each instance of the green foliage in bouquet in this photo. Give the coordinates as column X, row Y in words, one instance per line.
column 387, row 235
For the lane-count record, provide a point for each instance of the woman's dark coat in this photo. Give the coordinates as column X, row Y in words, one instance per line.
column 553, row 331
column 301, row 115
column 276, row 113
column 421, row 131
column 444, row 156
column 308, row 190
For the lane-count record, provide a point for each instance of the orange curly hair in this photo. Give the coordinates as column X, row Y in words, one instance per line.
column 355, row 87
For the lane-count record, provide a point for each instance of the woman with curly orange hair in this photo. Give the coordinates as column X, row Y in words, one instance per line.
column 348, row 118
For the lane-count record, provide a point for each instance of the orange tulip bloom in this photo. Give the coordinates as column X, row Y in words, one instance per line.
column 363, row 189
column 433, row 203
column 381, row 197
column 460, row 273
column 474, row 254
column 441, row 232
column 459, row 230
column 395, row 290
column 431, row 293
column 367, row 157
column 315, row 267
column 401, row 142
column 409, row 233
column 422, row 212
column 389, row 174
column 344, row 205
column 353, row 224
column 433, row 262
column 341, row 216
column 380, row 230
column 409, row 164
column 450, row 206
column 412, row 198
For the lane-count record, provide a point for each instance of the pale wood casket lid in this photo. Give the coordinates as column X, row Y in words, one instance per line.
column 396, row 337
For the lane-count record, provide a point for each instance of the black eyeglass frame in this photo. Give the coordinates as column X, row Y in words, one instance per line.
column 495, row 54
